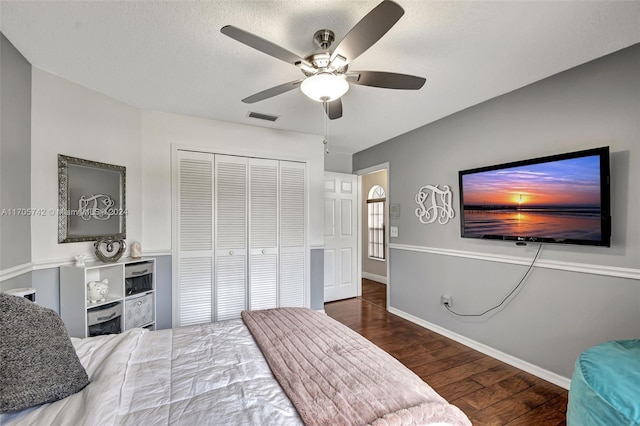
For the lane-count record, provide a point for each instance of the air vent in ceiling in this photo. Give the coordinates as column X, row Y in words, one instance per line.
column 260, row 116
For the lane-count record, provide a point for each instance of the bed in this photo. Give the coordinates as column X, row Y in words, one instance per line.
column 286, row 366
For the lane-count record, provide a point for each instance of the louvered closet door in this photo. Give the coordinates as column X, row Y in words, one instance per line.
column 231, row 236
column 292, row 233
column 194, row 238
column 263, row 234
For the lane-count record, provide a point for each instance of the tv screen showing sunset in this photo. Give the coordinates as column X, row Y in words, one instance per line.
column 554, row 200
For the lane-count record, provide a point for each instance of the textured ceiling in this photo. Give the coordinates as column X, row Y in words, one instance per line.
column 170, row 55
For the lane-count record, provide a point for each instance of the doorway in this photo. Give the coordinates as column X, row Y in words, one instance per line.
column 374, row 236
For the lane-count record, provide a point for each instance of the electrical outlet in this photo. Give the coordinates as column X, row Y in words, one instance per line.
column 445, row 299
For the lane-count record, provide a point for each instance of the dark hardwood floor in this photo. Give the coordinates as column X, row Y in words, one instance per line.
column 374, row 292
column 489, row 391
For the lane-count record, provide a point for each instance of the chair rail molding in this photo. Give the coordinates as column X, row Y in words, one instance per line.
column 610, row 271
column 15, row 271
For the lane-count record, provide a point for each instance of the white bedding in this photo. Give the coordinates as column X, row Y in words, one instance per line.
column 207, row 374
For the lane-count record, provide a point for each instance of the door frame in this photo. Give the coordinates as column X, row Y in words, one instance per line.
column 360, row 173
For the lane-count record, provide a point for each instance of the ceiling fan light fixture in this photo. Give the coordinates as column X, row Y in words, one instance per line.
column 324, row 87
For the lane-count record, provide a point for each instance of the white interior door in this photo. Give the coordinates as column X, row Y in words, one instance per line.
column 340, row 236
column 293, row 248
column 193, row 295
column 231, row 236
column 263, row 233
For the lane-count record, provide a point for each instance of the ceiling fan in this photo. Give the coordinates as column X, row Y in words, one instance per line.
column 326, row 76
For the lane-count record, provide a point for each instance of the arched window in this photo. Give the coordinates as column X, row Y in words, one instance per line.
column 375, row 208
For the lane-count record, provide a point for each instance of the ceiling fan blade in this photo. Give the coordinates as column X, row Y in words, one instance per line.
column 333, row 109
column 368, row 31
column 387, row 80
column 273, row 91
column 262, row 45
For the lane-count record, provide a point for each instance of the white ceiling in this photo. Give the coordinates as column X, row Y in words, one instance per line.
column 170, row 55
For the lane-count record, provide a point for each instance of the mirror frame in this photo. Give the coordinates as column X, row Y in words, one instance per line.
column 66, row 211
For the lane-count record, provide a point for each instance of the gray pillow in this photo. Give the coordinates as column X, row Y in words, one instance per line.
column 38, row 363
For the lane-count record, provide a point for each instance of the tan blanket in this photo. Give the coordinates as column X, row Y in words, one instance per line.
column 334, row 376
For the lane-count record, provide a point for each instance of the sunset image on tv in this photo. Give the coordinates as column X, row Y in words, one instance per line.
column 558, row 200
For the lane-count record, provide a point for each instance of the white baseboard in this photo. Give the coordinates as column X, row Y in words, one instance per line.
column 547, row 375
column 374, row 277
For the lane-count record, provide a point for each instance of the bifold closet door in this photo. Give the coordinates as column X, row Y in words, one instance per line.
column 292, row 207
column 263, row 233
column 195, row 206
column 241, row 236
column 231, row 236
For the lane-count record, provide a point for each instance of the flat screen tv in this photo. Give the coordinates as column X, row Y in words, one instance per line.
column 563, row 199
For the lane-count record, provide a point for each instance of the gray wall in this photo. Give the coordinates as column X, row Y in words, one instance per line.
column 317, row 279
column 20, row 281
column 557, row 313
column 15, row 155
column 163, row 292
column 337, row 162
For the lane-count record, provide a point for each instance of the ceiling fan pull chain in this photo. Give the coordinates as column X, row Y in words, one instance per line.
column 325, row 107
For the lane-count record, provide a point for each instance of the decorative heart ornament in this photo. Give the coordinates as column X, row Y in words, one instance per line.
column 106, row 251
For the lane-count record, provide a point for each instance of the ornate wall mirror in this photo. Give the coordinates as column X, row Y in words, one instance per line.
column 91, row 200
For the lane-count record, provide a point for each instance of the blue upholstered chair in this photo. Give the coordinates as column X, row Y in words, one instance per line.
column 605, row 388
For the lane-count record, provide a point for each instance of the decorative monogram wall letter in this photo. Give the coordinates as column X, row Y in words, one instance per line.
column 435, row 203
